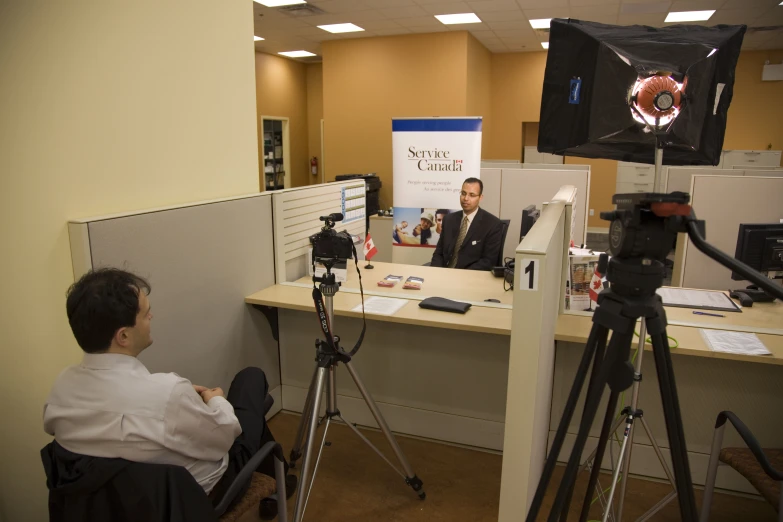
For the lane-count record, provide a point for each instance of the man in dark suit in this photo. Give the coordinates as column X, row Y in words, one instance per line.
column 470, row 239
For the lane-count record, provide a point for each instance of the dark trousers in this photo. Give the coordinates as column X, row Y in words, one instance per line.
column 246, row 394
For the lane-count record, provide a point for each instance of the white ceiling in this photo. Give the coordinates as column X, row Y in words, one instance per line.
column 505, row 24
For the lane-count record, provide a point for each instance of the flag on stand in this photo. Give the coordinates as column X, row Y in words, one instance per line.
column 597, row 283
column 369, row 248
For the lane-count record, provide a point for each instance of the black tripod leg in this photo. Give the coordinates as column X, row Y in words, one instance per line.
column 673, row 418
column 596, row 344
column 599, row 357
column 606, row 429
column 618, row 347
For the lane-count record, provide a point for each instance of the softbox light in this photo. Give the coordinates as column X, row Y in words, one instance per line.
column 619, row 91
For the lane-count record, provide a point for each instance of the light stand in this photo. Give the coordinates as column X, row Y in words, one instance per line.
column 328, row 356
column 631, row 414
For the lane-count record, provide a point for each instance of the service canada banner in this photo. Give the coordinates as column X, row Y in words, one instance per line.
column 431, row 157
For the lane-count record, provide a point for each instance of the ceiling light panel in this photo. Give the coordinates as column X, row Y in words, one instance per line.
column 460, row 18
column 297, row 54
column 545, row 45
column 341, row 28
column 689, row 16
column 257, row 38
column 540, row 23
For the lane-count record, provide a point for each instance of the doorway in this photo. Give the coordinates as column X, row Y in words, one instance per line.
column 276, row 154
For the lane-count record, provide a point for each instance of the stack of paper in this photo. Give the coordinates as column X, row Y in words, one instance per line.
column 734, row 342
column 381, row 305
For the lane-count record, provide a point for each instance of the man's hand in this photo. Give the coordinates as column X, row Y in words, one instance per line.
column 200, row 389
column 209, row 393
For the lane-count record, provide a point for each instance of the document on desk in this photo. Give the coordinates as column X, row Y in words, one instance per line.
column 734, row 342
column 704, row 299
column 381, row 305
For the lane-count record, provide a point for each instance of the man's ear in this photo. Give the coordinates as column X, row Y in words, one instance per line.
column 122, row 337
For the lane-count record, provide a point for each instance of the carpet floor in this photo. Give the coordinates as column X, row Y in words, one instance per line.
column 355, row 485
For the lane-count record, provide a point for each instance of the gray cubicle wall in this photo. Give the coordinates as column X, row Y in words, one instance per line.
column 201, row 261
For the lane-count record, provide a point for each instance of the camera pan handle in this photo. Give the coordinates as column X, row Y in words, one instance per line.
column 729, row 262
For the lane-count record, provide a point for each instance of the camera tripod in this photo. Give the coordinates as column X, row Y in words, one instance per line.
column 641, row 234
column 328, row 356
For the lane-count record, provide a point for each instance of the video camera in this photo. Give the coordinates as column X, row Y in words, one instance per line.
column 329, row 245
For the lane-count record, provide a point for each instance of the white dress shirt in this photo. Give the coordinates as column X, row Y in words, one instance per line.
column 110, row 405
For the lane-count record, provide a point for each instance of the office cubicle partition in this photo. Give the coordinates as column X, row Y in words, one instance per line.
column 540, row 265
column 296, row 218
column 724, row 202
column 201, row 260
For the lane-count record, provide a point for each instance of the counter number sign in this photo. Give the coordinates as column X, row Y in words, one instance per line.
column 528, row 279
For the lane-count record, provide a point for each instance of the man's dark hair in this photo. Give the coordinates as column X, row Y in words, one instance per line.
column 476, row 180
column 101, row 302
column 442, row 211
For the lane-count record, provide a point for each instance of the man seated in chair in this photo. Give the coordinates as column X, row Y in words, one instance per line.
column 111, row 406
column 472, row 238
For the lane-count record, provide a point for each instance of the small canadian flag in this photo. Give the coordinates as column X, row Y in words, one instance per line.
column 369, row 248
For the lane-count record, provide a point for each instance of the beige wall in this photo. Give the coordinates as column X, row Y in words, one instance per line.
column 281, row 90
column 756, row 114
column 369, row 81
column 107, row 107
column 479, row 87
column 315, row 113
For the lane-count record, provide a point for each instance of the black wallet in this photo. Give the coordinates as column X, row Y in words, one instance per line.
column 444, row 305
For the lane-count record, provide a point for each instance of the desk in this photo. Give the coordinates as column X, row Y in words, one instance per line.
column 707, row 382
column 460, row 285
column 433, row 374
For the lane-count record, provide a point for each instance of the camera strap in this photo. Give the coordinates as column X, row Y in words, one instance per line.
column 323, row 317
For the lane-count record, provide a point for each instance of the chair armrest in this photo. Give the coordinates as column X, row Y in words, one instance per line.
column 244, row 474
column 751, row 442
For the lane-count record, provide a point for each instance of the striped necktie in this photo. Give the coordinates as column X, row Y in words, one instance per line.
column 463, row 231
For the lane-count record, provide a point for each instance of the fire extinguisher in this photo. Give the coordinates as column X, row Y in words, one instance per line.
column 314, row 166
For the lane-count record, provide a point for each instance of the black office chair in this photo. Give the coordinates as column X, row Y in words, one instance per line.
column 762, row 467
column 182, row 496
column 505, row 223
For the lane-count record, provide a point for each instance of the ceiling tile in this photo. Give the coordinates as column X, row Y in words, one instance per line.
column 403, row 12
column 447, row 8
column 340, row 6
column 533, row 4
column 654, row 19
column 581, row 3
column 420, row 21
column 696, row 5
column 391, row 32
column 490, row 41
column 364, row 16
column 502, row 16
column 381, row 4
column 489, row 6
column 325, row 19
column 325, row 35
column 742, row 4
column 521, row 25
column 509, row 33
column 483, row 34
column 385, row 24
column 441, row 29
column 587, row 13
column 645, row 8
column 467, row 27
column 548, row 12
column 736, row 16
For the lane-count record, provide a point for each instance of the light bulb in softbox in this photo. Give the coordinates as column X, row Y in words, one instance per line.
column 656, row 100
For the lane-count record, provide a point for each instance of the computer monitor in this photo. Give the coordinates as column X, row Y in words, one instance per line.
column 530, row 215
column 760, row 246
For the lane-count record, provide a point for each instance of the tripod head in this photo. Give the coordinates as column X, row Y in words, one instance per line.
column 643, row 231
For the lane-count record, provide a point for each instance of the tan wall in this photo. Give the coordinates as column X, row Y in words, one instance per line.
column 369, row 81
column 517, row 80
column 315, row 113
column 756, row 114
column 107, row 107
column 281, row 90
column 479, row 88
